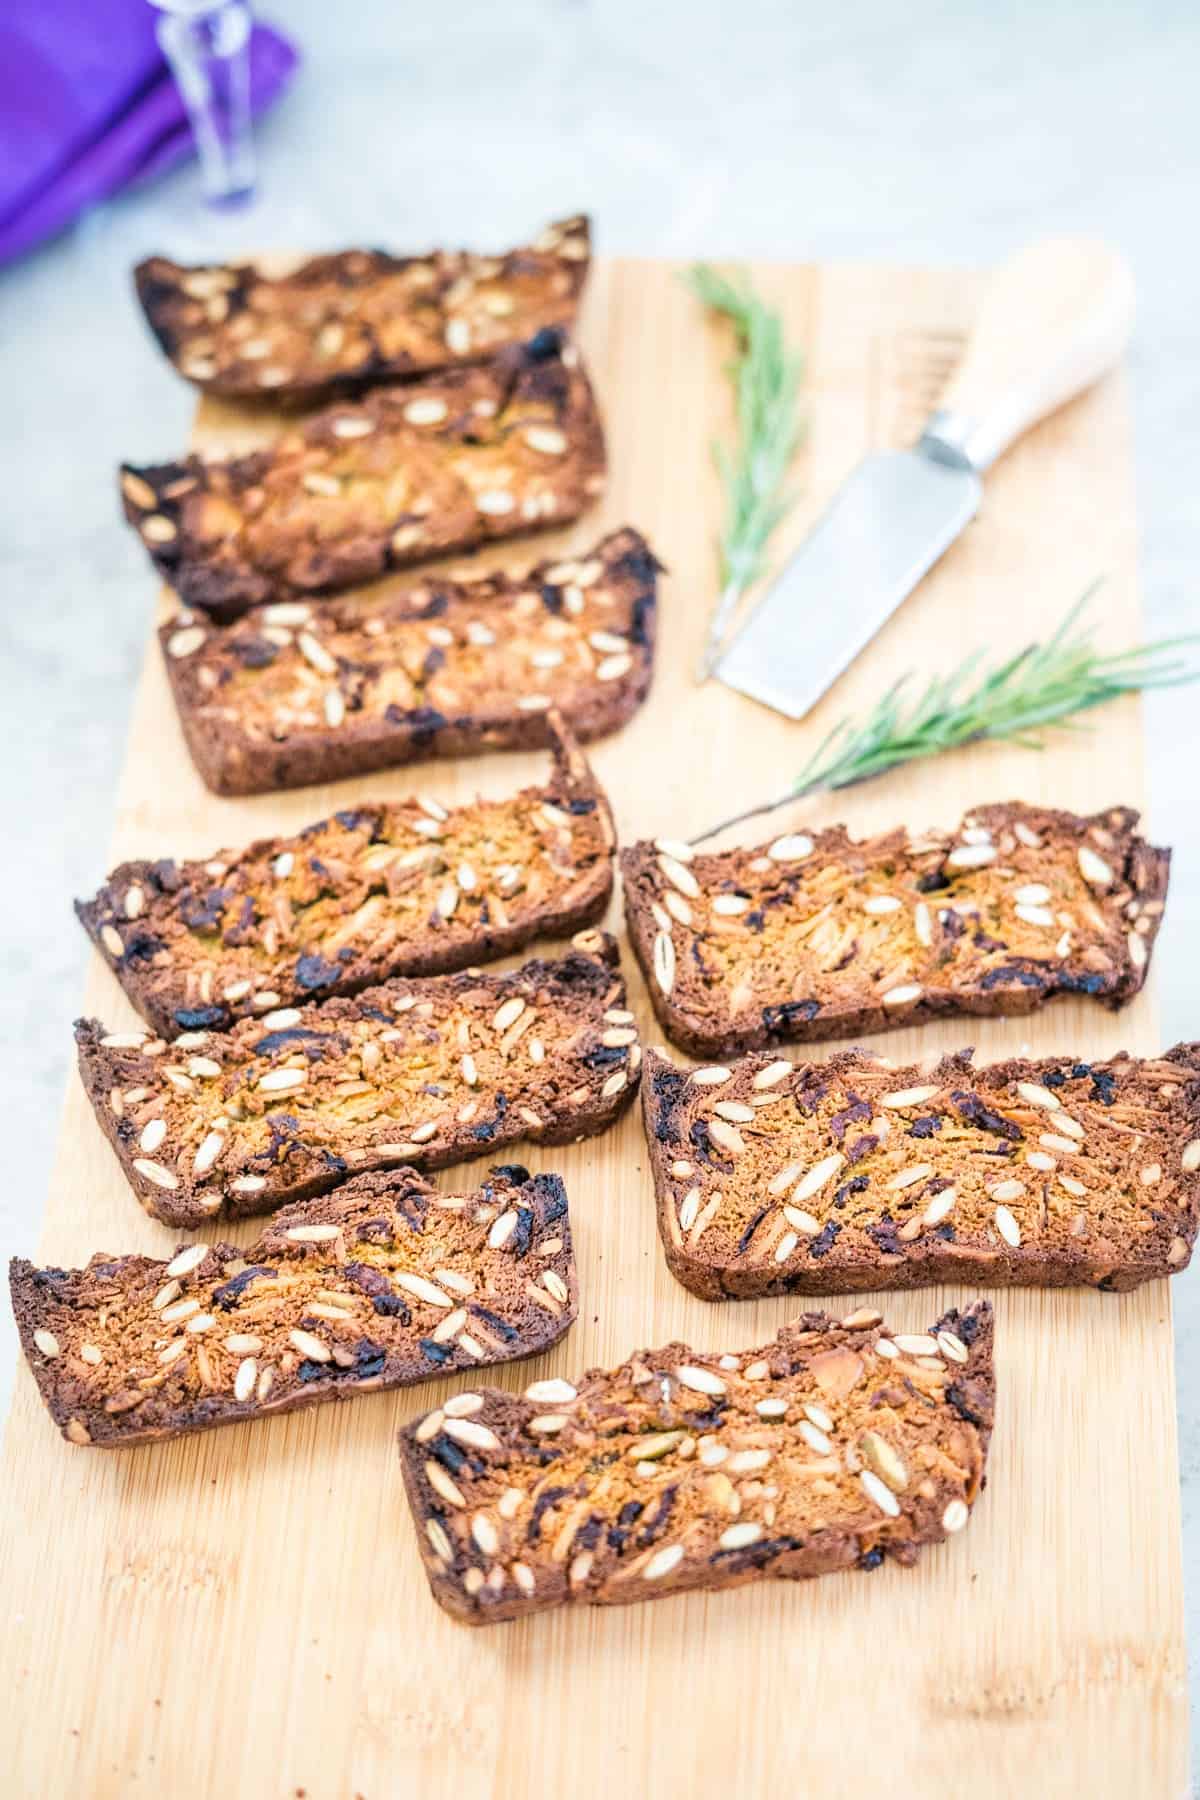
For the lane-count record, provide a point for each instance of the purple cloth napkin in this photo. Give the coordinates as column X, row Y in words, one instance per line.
column 88, row 105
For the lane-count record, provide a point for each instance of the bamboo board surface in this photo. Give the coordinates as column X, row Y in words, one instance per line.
column 244, row 1614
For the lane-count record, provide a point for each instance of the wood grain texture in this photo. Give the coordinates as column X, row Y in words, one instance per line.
column 245, row 1614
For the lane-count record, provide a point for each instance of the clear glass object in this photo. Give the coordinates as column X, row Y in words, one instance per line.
column 207, row 44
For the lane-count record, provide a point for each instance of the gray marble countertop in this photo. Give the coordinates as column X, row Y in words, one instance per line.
column 933, row 133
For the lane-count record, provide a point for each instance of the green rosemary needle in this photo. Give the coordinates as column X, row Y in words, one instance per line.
column 1040, row 685
column 766, row 375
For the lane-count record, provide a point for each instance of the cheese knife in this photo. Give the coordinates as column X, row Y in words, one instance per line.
column 1054, row 318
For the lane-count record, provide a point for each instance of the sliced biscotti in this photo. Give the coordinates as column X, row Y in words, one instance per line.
column 385, row 1283
column 314, row 691
column 821, row 936
column 407, row 888
column 404, row 474
column 853, row 1174
column 424, row 1072
column 358, row 315
column 835, row 1446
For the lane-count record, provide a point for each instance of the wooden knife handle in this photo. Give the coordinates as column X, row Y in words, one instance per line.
column 1054, row 318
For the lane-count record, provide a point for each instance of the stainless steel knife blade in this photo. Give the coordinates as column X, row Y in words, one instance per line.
column 886, row 527
column 1054, row 318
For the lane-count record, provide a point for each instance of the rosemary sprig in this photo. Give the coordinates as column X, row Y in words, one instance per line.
column 766, row 375
column 1041, row 684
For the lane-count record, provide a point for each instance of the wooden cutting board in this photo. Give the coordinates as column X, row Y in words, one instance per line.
column 244, row 1614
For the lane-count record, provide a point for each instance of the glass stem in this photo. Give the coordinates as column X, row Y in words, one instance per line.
column 209, row 54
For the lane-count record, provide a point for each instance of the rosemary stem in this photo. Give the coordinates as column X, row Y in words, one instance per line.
column 752, row 812
column 766, row 376
column 731, row 593
column 1043, row 684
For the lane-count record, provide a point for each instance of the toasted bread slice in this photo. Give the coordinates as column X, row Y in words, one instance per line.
column 380, row 889
column 358, row 315
column 854, row 1174
column 425, row 1072
column 835, row 1446
column 385, row 1283
column 820, row 936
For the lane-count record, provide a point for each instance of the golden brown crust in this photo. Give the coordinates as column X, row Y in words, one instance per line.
column 823, row 936
column 378, row 890
column 385, row 1283
column 359, row 315
column 424, row 1073
column 404, row 474
column 832, row 1447
column 315, row 691
column 853, row 1174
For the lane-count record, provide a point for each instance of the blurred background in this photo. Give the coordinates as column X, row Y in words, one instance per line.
column 932, row 133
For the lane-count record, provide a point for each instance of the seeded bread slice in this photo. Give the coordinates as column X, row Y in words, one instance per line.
column 833, row 1447
column 823, row 936
column 424, row 1072
column 853, row 1174
column 377, row 890
column 383, row 1284
column 404, row 474
column 358, row 315
column 316, row 691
